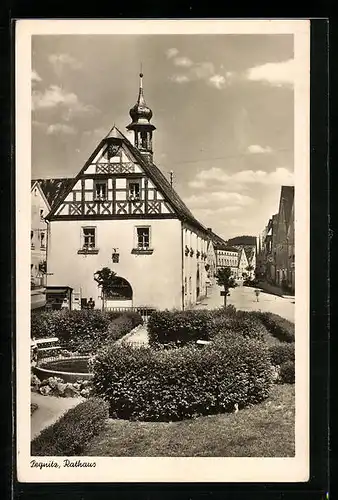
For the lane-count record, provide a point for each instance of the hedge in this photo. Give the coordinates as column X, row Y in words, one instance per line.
column 183, row 326
column 281, row 328
column 188, row 326
column 73, row 431
column 280, row 353
column 243, row 322
column 287, row 372
column 83, row 331
column 166, row 385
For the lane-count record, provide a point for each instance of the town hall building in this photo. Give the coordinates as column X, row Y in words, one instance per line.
column 121, row 212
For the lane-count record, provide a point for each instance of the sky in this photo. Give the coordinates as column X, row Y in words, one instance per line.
column 222, row 105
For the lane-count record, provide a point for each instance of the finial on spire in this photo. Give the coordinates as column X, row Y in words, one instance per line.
column 141, row 77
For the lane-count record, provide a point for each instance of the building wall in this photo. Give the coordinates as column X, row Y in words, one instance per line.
column 227, row 258
column 156, row 279
column 194, row 262
column 39, row 210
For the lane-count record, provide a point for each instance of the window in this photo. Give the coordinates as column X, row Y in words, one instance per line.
column 100, row 190
column 142, row 242
column 88, row 238
column 42, row 240
column 32, row 236
column 134, row 190
column 41, row 214
column 143, row 237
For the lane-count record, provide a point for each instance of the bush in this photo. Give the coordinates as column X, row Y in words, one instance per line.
column 72, row 432
column 179, row 326
column 144, row 384
column 279, row 327
column 287, row 372
column 243, row 322
column 83, row 331
column 188, row 326
column 280, row 353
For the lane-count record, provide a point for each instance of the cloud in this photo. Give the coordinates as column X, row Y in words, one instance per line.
column 180, row 78
column 60, row 128
column 183, row 61
column 54, row 96
column 256, row 148
column 195, row 71
column 171, row 53
column 277, row 74
column 277, row 177
column 58, row 61
column 218, row 198
column 100, row 132
column 217, row 81
column 35, row 77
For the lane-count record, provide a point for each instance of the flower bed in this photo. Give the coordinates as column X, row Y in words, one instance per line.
column 59, row 387
column 146, row 384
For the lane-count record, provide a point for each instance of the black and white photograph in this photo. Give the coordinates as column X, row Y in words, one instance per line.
column 163, row 200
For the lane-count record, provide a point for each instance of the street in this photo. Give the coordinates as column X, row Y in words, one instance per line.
column 244, row 298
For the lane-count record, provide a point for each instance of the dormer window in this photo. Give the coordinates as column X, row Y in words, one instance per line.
column 134, row 190
column 100, row 190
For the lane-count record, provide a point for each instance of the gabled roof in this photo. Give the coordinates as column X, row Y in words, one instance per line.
column 249, row 252
column 54, row 189
column 149, row 168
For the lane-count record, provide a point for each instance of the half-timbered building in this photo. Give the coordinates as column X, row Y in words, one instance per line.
column 121, row 212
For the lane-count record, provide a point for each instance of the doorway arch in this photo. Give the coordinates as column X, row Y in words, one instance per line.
column 120, row 294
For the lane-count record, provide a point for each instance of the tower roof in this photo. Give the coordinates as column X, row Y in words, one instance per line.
column 140, row 113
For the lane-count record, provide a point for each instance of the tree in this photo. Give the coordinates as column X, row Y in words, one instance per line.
column 225, row 280
column 250, row 268
column 105, row 279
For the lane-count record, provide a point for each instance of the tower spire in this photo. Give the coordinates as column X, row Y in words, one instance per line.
column 141, row 115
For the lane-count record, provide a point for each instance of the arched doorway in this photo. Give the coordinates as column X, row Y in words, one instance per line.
column 120, row 295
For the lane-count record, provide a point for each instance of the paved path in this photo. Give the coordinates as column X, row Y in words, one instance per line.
column 137, row 336
column 244, row 298
column 50, row 409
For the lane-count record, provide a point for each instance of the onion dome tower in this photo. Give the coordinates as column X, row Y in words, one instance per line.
column 143, row 129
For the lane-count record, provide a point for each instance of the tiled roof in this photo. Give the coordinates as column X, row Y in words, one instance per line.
column 54, row 189
column 162, row 182
column 231, row 249
column 218, row 242
column 243, row 240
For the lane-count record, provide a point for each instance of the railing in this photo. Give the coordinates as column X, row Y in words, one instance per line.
column 145, row 312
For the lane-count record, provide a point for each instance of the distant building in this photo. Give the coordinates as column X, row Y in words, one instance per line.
column 277, row 254
column 284, row 241
column 226, row 255
column 247, row 255
column 39, row 209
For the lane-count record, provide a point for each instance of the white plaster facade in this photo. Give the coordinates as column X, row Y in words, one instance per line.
column 155, row 278
column 39, row 237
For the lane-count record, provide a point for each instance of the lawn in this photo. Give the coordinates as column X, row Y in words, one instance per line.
column 264, row 430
